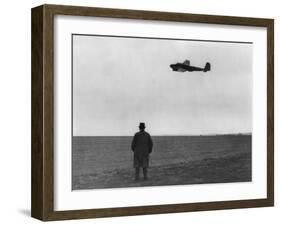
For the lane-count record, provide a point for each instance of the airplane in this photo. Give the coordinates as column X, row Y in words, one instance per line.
column 185, row 66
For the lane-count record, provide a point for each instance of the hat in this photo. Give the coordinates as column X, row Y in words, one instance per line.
column 142, row 125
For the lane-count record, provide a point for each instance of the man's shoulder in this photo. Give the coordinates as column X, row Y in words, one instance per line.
column 142, row 133
column 146, row 134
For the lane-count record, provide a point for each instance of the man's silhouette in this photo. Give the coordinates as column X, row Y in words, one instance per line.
column 142, row 147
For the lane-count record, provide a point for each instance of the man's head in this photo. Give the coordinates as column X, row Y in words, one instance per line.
column 142, row 126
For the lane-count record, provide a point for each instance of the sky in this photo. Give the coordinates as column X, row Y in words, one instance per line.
column 119, row 82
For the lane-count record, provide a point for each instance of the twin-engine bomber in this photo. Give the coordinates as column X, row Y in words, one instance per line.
column 185, row 66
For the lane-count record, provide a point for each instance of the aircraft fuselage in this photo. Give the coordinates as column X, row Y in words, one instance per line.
column 183, row 67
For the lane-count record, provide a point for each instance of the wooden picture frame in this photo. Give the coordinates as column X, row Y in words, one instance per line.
column 42, row 203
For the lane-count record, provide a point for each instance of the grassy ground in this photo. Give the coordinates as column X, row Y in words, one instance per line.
column 231, row 168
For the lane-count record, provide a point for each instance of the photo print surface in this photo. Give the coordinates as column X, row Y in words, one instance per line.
column 156, row 111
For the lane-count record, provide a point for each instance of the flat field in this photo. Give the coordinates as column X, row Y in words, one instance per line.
column 107, row 162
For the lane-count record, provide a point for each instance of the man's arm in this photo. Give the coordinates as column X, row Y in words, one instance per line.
column 133, row 144
column 150, row 144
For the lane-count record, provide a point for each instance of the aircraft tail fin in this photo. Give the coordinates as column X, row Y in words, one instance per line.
column 207, row 67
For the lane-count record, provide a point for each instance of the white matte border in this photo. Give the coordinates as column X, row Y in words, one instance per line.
column 66, row 199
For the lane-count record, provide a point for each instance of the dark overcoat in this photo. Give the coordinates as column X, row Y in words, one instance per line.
column 142, row 147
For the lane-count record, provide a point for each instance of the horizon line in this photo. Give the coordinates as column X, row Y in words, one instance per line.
column 211, row 134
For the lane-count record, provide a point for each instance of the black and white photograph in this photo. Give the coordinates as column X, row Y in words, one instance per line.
column 150, row 111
